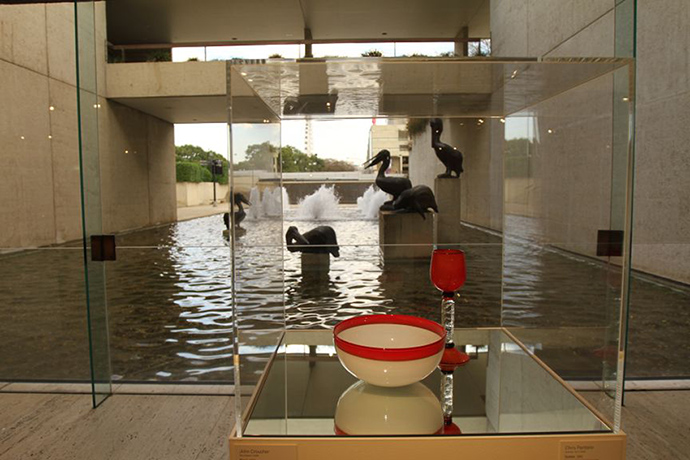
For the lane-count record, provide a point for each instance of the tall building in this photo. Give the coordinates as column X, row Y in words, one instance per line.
column 394, row 138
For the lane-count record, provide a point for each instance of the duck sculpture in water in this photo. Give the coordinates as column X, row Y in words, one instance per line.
column 417, row 199
column 391, row 185
column 240, row 214
column 319, row 240
column 449, row 155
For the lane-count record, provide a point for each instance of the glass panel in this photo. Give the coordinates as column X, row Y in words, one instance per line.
column 256, row 233
column 44, row 339
column 530, row 257
column 43, row 332
column 564, row 186
column 408, row 88
column 89, row 105
column 169, row 292
column 501, row 390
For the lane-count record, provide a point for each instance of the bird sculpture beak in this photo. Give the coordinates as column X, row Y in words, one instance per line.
column 374, row 161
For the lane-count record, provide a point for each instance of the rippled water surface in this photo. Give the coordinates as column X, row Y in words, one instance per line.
column 169, row 300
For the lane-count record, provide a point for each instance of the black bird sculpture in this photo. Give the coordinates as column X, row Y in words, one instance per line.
column 391, row 185
column 319, row 240
column 417, row 199
column 239, row 214
column 449, row 155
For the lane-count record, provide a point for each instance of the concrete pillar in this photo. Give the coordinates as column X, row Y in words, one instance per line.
column 406, row 229
column 315, row 263
column 461, row 46
column 448, row 192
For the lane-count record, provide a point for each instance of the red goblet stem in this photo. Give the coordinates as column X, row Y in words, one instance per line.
column 448, row 317
column 447, row 397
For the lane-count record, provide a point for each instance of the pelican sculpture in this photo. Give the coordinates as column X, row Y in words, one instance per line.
column 449, row 155
column 319, row 240
column 240, row 214
column 417, row 199
column 391, row 185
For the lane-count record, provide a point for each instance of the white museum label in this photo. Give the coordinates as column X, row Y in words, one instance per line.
column 265, row 452
column 590, row 450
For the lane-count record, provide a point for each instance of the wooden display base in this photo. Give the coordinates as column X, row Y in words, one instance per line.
column 607, row 446
column 448, row 193
column 406, row 235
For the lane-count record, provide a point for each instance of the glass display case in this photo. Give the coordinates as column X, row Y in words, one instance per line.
column 541, row 211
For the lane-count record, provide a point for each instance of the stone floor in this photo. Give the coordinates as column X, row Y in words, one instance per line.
column 192, row 212
column 64, row 427
column 657, row 425
column 133, row 427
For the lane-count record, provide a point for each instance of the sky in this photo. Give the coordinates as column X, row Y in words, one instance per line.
column 339, row 139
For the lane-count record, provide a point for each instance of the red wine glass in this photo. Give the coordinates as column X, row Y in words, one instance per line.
column 448, row 273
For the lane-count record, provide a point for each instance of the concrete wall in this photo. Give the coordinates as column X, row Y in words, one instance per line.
column 201, row 193
column 566, row 197
column 661, row 229
column 539, row 27
column 661, row 233
column 39, row 147
column 137, row 163
column 482, row 195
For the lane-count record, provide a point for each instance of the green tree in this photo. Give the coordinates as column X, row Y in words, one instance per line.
column 263, row 157
column 190, row 152
column 338, row 165
column 194, row 154
column 294, row 160
column 259, row 156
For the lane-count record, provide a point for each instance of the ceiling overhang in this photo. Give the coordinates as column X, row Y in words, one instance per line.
column 163, row 23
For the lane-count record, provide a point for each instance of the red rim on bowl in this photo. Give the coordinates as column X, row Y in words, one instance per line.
column 390, row 354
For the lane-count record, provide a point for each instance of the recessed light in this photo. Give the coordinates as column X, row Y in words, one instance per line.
column 51, row 108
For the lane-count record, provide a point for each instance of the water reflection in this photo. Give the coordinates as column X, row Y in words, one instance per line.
column 169, row 300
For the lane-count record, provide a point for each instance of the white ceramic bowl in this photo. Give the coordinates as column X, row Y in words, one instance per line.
column 389, row 350
column 365, row 409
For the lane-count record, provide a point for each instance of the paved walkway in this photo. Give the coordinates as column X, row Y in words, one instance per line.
column 192, row 212
column 145, row 427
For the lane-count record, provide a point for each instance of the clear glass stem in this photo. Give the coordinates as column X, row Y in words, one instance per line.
column 447, row 397
column 448, row 317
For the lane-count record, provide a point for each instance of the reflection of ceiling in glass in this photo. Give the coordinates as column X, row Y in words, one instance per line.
column 432, row 87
